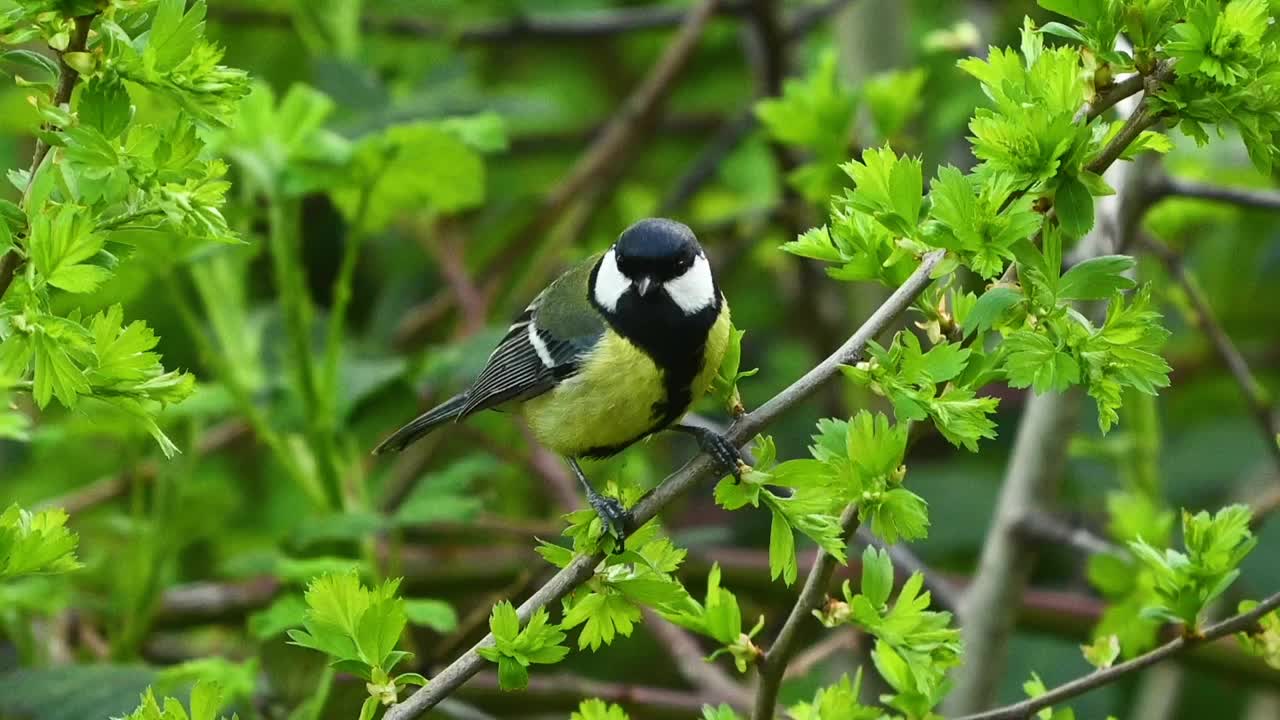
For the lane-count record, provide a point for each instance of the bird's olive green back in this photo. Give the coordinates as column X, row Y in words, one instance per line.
column 564, row 309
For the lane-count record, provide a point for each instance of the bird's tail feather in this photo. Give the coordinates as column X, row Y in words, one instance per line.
column 446, row 411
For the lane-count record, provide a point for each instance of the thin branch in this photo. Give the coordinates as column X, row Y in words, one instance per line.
column 67, row 77
column 703, row 168
column 1050, row 530
column 521, row 29
column 713, row 682
column 563, row 691
column 841, row 640
column 629, row 125
column 1244, row 197
column 774, row 664
column 1244, row 622
column 1255, row 395
column 583, row 567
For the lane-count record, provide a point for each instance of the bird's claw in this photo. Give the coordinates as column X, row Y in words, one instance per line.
column 725, row 455
column 617, row 519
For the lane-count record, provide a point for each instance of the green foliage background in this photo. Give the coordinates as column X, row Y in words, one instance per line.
column 370, row 250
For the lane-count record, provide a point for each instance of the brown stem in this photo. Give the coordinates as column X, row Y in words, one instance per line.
column 1244, row 197
column 1255, row 395
column 1244, row 622
column 774, row 664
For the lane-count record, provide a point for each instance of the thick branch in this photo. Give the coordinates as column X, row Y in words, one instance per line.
column 774, row 664
column 1255, row 395
column 1244, row 622
column 583, row 567
column 67, row 77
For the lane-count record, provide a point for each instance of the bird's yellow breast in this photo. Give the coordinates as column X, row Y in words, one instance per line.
column 610, row 401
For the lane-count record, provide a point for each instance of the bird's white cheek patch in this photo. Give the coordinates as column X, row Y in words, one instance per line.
column 694, row 290
column 611, row 284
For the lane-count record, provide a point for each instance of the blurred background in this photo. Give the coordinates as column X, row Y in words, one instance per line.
column 494, row 142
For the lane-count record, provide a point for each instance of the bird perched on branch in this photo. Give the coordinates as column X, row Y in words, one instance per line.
column 612, row 351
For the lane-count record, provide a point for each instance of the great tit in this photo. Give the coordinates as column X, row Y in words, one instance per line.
column 615, row 349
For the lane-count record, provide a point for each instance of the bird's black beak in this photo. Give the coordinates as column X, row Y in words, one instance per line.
column 643, row 285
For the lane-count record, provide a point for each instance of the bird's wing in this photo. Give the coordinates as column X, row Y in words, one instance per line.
column 542, row 346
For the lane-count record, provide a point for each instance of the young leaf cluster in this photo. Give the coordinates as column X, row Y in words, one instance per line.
column 359, row 628
column 1185, row 583
column 35, row 543
column 915, row 646
column 514, row 648
column 111, row 178
column 206, row 704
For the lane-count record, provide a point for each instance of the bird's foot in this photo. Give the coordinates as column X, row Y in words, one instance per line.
column 723, row 453
column 617, row 519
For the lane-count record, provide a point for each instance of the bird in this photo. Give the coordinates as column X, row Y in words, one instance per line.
column 612, row 351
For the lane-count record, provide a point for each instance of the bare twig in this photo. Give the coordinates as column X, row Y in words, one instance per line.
column 1048, row 529
column 706, row 677
column 1244, row 622
column 1244, row 197
column 67, row 77
column 774, row 664
column 1255, row 395
column 625, row 130
column 583, row 567
column 521, row 29
column 838, row 641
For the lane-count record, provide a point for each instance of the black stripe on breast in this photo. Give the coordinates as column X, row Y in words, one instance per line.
column 675, row 341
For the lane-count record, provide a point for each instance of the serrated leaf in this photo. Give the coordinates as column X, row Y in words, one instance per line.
column 1097, row 278
column 1074, row 206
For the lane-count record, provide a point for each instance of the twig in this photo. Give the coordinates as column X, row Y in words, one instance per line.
column 445, row 246
column 727, row 138
column 522, row 29
column 774, row 664
column 67, row 77
column 1244, row 622
column 1050, row 530
column 583, row 567
column 1255, row 395
column 838, row 641
column 944, row 594
column 625, row 130
column 563, row 691
column 706, row 677
column 1244, row 197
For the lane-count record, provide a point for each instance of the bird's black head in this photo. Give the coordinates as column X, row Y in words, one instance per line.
column 655, row 263
column 655, row 250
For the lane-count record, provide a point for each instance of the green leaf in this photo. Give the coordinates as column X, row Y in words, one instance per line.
column 512, row 675
column 1097, row 278
column 782, row 550
column 174, row 33
column 55, row 372
column 595, row 709
column 877, row 576
column 990, row 308
column 1102, row 653
column 1074, row 205
column 602, row 616
column 889, row 188
column 435, row 614
column 104, row 104
column 35, row 543
column 1033, row 361
column 900, row 515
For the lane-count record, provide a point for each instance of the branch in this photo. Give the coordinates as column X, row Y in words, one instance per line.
column 1050, row 530
column 67, row 77
column 774, row 664
column 1244, row 197
column 631, row 124
column 583, row 567
column 1255, row 395
column 521, row 29
column 714, row 683
column 1025, row 709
